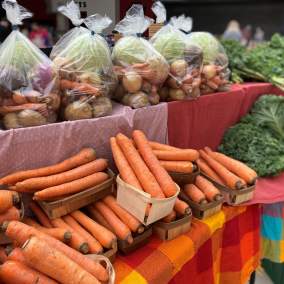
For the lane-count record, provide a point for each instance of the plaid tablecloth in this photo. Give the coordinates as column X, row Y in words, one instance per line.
column 223, row 249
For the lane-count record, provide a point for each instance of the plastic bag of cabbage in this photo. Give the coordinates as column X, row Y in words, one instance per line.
column 85, row 70
column 215, row 72
column 28, row 85
column 184, row 57
column 141, row 69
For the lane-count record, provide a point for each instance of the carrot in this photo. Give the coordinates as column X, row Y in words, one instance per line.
column 123, row 166
column 40, row 215
column 195, row 194
column 163, row 147
column 3, row 255
column 231, row 180
column 84, row 156
column 17, row 255
column 178, row 166
column 77, row 241
column 11, row 214
column 35, row 184
column 8, row 199
column 129, row 220
column 54, row 263
column 181, row 207
column 170, row 218
column 106, row 238
column 208, row 171
column 236, row 167
column 161, row 175
column 98, row 217
column 210, row 191
column 84, row 88
column 178, row 155
column 120, row 229
column 72, row 186
column 60, row 234
column 145, row 177
column 13, row 272
column 20, row 233
column 94, row 245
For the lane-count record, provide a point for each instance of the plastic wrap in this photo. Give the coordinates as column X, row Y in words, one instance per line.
column 215, row 73
column 160, row 12
column 185, row 59
column 28, row 84
column 141, row 69
column 85, row 70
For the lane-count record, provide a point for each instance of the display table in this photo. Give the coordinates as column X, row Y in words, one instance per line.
column 223, row 249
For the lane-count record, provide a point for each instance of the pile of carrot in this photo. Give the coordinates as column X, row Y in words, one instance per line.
column 37, row 257
column 225, row 170
column 139, row 166
column 202, row 191
column 9, row 203
column 73, row 175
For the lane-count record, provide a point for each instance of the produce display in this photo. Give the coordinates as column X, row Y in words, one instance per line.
column 185, row 59
column 258, row 140
column 28, row 83
column 83, row 60
column 140, row 68
column 215, row 72
column 263, row 63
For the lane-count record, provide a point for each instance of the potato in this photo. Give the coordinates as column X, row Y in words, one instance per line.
column 154, row 99
column 138, row 100
column 179, row 68
column 30, row 117
column 11, row 121
column 78, row 110
column 102, row 107
column 132, row 82
column 146, row 87
column 177, row 94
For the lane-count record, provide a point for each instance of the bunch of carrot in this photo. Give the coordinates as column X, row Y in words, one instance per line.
column 39, row 258
column 73, row 175
column 9, row 203
column 202, row 191
column 139, row 166
column 225, row 170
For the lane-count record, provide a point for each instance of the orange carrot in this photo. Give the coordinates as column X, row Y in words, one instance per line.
column 170, row 218
column 181, row 207
column 106, row 238
column 99, row 218
column 208, row 171
column 20, row 233
column 60, row 234
column 145, row 177
column 178, row 155
column 84, row 156
column 236, row 167
column 120, row 229
column 35, row 184
column 195, row 194
column 40, row 215
column 94, row 245
column 77, row 241
column 123, row 166
column 231, row 180
column 13, row 272
column 11, row 214
column 17, row 255
column 161, row 175
column 83, row 88
column 71, row 187
column 178, row 166
column 3, row 255
column 210, row 191
column 8, row 199
column 163, row 147
column 129, row 220
column 53, row 263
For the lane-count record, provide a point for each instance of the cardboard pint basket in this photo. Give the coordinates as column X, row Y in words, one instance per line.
column 136, row 202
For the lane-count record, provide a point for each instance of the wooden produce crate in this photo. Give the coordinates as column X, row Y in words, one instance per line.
column 110, row 254
column 139, row 240
column 58, row 208
column 169, row 231
column 154, row 28
column 182, row 179
column 234, row 196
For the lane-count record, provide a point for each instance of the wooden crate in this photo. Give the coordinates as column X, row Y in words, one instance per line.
column 154, row 28
column 139, row 240
column 110, row 254
column 182, row 179
column 202, row 211
column 234, row 197
column 58, row 208
column 169, row 231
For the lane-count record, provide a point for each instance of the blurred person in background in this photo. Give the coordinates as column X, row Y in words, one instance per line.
column 246, row 35
column 4, row 29
column 233, row 31
column 259, row 35
column 40, row 36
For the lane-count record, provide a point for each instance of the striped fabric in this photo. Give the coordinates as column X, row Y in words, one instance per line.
column 223, row 249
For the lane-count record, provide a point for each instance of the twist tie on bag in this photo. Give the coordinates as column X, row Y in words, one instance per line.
column 15, row 28
column 139, row 34
column 160, row 12
column 72, row 11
